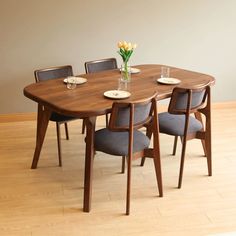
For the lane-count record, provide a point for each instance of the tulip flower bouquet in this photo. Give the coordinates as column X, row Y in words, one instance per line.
column 126, row 50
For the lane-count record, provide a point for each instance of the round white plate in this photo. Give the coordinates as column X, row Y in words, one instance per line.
column 78, row 80
column 134, row 70
column 117, row 94
column 168, row 81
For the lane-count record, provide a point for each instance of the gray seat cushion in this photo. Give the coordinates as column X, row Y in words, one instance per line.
column 174, row 124
column 116, row 143
column 58, row 117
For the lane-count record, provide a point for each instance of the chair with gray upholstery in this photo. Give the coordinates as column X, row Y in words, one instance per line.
column 55, row 73
column 98, row 66
column 179, row 122
column 123, row 138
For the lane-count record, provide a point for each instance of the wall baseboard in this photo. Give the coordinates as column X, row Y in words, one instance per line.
column 222, row 105
column 16, row 117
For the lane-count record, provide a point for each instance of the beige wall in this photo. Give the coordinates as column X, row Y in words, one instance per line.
column 198, row 35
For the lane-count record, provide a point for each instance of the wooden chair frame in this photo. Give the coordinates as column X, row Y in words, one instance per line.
column 205, row 135
column 204, row 108
column 152, row 123
column 37, row 79
column 89, row 63
column 89, row 70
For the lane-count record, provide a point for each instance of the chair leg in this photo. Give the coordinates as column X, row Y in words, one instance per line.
column 83, row 127
column 59, row 143
column 157, row 164
column 149, row 135
column 107, row 120
column 129, row 159
column 66, row 131
column 142, row 161
column 182, row 162
column 123, row 165
column 209, row 161
column 208, row 147
column 198, row 116
column 175, row 145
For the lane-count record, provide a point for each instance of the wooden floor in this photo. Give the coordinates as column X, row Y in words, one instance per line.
column 48, row 200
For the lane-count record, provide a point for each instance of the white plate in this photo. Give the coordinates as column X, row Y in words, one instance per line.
column 168, row 81
column 78, row 80
column 133, row 70
column 117, row 94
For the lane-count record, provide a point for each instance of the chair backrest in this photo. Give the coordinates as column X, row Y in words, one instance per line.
column 100, row 65
column 135, row 114
column 188, row 100
column 53, row 73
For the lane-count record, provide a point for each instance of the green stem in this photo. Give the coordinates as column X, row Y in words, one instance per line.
column 126, row 71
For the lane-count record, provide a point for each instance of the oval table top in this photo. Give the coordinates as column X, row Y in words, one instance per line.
column 88, row 100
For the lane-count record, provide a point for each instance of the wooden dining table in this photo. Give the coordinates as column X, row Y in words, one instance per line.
column 87, row 101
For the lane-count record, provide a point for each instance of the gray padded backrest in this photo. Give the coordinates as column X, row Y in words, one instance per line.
column 53, row 73
column 141, row 113
column 182, row 96
column 182, row 99
column 100, row 65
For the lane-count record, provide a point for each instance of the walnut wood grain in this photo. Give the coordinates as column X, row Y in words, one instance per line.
column 56, row 96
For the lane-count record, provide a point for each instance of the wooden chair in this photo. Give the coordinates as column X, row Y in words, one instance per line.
column 123, row 138
column 179, row 122
column 54, row 73
column 98, row 66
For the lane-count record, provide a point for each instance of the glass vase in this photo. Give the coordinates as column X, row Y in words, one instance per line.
column 125, row 72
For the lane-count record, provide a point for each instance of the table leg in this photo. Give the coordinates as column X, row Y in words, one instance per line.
column 156, row 150
column 42, row 124
column 89, row 154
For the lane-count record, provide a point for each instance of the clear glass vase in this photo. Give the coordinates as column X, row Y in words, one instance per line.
column 125, row 72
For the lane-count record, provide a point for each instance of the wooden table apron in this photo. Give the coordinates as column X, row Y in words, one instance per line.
column 87, row 101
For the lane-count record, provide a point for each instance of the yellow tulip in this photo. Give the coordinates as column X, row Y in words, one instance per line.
column 129, row 46
column 120, row 44
column 126, row 49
